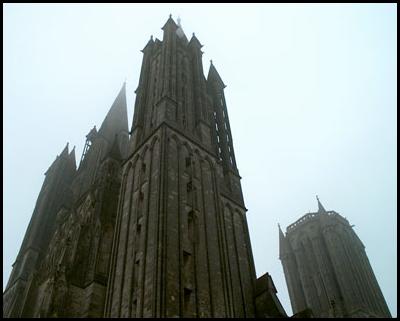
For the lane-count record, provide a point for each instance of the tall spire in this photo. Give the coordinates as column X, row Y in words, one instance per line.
column 116, row 120
column 321, row 209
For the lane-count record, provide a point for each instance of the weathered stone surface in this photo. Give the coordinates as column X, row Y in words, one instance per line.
column 327, row 270
column 151, row 226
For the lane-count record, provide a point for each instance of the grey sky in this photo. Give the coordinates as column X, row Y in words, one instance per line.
column 311, row 95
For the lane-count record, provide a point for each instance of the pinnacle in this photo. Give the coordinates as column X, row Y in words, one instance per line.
column 321, row 209
column 214, row 75
column 170, row 22
column 65, row 150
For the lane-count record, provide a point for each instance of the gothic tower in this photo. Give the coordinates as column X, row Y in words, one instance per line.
column 152, row 223
column 327, row 270
column 62, row 266
column 181, row 246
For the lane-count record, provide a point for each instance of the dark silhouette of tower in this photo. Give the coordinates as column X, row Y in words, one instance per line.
column 62, row 266
column 181, row 245
column 327, row 270
column 153, row 222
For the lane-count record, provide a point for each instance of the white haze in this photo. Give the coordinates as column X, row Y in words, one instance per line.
column 311, row 95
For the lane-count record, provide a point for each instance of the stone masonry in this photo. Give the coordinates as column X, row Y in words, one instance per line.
column 327, row 270
column 152, row 223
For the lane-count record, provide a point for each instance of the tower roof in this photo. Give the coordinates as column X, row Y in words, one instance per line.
column 214, row 75
column 64, row 153
column 116, row 120
column 170, row 24
column 149, row 44
column 195, row 42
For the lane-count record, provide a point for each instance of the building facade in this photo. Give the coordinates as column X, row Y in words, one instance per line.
column 327, row 270
column 152, row 223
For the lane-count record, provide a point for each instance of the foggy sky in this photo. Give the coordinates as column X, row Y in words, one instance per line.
column 311, row 96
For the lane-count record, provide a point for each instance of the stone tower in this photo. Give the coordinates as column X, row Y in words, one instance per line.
column 153, row 222
column 63, row 263
column 327, row 270
column 181, row 246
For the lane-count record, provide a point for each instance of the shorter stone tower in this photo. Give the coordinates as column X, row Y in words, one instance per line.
column 327, row 270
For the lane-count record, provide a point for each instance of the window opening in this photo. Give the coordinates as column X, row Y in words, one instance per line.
column 189, row 186
column 188, row 161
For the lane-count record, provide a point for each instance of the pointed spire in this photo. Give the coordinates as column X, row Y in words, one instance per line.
column 321, row 209
column 170, row 24
column 194, row 42
column 149, row 44
column 64, row 153
column 213, row 75
column 116, row 120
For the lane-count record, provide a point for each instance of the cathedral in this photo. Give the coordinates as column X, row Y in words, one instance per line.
column 152, row 221
column 327, row 270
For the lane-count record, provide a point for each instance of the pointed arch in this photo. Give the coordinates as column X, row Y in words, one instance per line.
column 173, row 136
column 144, row 151
column 126, row 170
column 188, row 147
column 229, row 206
column 185, row 159
column 153, row 141
column 208, row 159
